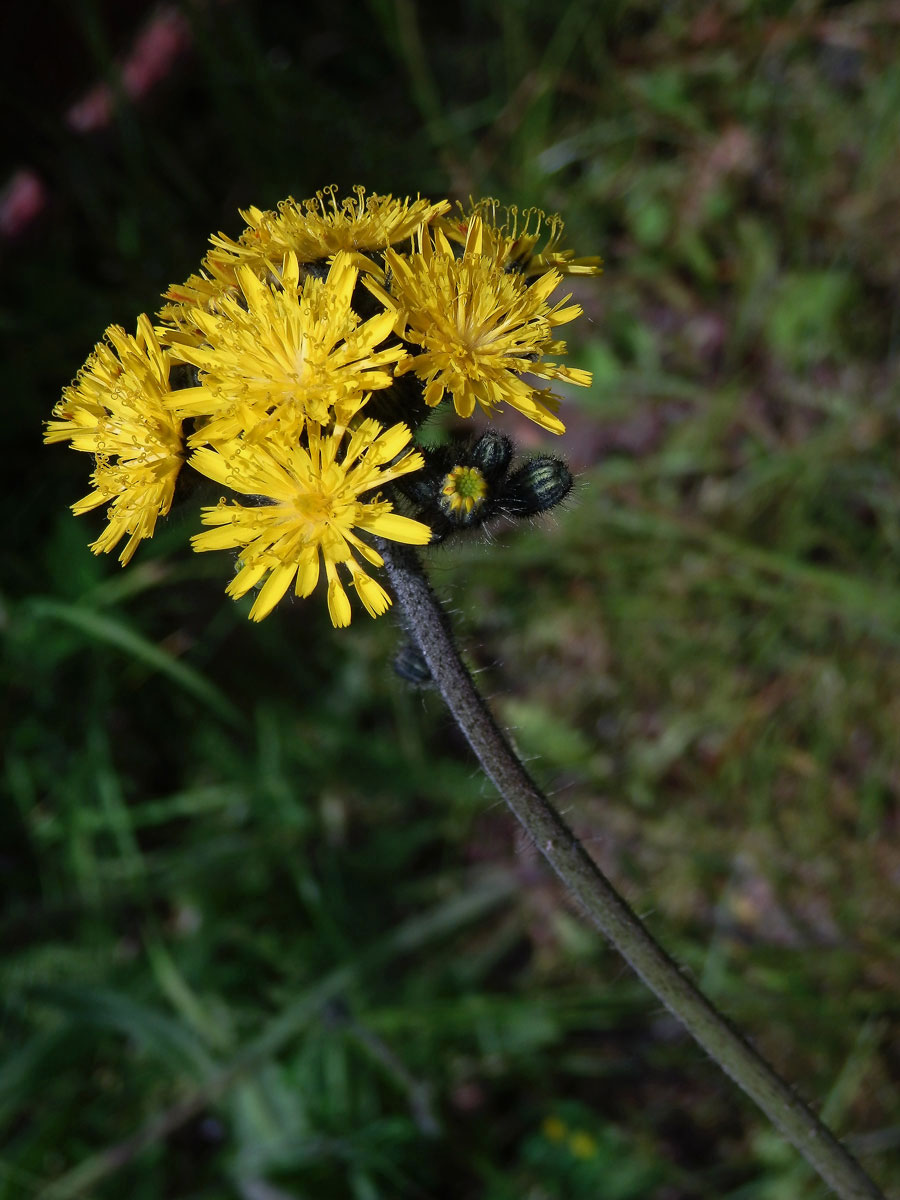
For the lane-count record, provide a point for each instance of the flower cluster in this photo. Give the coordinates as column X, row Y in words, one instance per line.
column 294, row 369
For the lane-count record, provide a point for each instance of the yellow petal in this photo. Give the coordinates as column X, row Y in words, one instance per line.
column 246, row 579
column 391, row 442
column 338, row 604
column 254, row 290
column 372, row 594
column 434, row 393
column 272, row 591
column 307, row 573
column 543, row 287
column 560, row 316
column 401, row 529
column 290, row 272
column 535, row 412
column 474, row 236
column 91, row 500
column 376, row 329
column 222, row 538
column 464, row 402
column 210, row 463
column 576, row 375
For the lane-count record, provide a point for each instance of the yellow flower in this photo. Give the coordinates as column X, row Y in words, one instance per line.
column 283, row 354
column 116, row 411
column 478, row 326
column 323, row 226
column 514, row 237
column 554, row 1129
column 314, row 499
column 464, row 489
column 582, row 1144
column 313, row 229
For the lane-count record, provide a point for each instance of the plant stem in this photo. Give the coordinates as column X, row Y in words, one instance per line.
column 429, row 625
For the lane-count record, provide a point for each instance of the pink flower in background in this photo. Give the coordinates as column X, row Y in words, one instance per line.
column 154, row 50
column 23, row 198
column 157, row 46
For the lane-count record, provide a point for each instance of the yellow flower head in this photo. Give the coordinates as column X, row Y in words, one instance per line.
column 312, row 230
column 464, row 489
column 316, row 497
column 284, row 353
column 322, row 226
column 116, row 410
column 514, row 235
column 479, row 327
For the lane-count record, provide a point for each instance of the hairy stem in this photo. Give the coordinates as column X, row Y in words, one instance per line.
column 430, row 627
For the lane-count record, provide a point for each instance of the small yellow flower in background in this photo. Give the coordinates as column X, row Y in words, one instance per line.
column 514, row 237
column 116, row 410
column 479, row 327
column 582, row 1144
column 554, row 1129
column 315, row 499
column 579, row 1142
column 290, row 353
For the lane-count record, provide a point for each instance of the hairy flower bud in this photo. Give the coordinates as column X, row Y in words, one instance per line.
column 410, row 665
column 492, row 454
column 537, row 486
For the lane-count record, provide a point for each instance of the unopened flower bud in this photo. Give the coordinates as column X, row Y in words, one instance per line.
column 537, row 486
column 410, row 664
column 492, row 454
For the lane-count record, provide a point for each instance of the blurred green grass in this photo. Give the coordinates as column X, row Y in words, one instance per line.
column 256, row 900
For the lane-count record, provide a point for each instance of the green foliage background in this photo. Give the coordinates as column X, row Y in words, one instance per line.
column 258, row 908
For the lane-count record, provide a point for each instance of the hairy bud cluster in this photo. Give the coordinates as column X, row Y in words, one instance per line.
column 462, row 485
column 465, row 483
